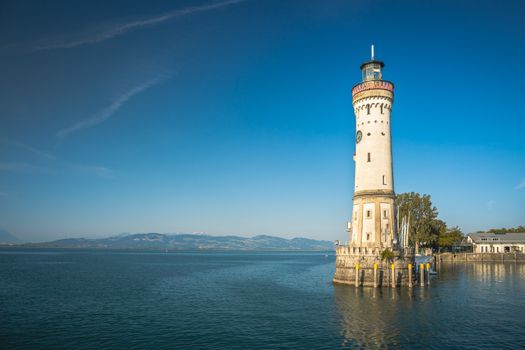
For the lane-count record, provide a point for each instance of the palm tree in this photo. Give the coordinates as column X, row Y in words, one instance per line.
column 387, row 255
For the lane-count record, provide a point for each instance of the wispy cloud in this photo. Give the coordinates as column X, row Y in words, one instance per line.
column 21, row 167
column 108, row 111
column 98, row 35
column 521, row 184
column 33, row 150
column 96, row 170
column 49, row 164
column 56, row 169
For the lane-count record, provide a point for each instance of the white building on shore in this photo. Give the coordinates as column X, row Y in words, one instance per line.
column 497, row 242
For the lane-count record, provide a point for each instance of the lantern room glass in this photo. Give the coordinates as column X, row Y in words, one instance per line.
column 372, row 71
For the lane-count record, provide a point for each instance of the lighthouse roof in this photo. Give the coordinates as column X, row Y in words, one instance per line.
column 381, row 63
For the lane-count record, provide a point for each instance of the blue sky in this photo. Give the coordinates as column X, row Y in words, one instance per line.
column 235, row 117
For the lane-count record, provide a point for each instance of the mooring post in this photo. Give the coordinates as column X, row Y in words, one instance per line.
column 375, row 275
column 428, row 274
column 357, row 275
column 410, row 275
column 421, row 275
column 393, row 276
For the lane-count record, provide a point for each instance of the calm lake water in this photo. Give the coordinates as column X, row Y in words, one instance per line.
column 97, row 299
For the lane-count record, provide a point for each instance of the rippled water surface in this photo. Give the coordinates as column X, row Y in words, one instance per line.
column 98, row 299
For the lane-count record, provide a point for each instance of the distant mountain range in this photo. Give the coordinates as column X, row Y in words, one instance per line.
column 187, row 242
column 8, row 238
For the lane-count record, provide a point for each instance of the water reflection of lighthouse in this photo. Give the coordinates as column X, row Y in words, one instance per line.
column 368, row 319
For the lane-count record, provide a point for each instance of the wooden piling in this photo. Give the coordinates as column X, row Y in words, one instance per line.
column 410, row 275
column 375, row 275
column 357, row 275
column 393, row 276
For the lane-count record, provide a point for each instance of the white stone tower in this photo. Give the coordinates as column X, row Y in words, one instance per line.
column 372, row 257
column 372, row 227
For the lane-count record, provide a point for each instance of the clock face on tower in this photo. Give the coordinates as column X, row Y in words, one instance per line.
column 358, row 136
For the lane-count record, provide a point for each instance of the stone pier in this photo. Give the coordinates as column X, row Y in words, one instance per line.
column 350, row 263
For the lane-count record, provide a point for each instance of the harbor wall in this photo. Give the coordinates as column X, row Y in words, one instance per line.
column 371, row 271
column 480, row 257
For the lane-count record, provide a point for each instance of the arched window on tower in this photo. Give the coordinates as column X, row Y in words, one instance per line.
column 381, row 108
column 367, row 109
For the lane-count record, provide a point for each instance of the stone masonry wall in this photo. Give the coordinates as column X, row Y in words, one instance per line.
column 345, row 271
column 480, row 257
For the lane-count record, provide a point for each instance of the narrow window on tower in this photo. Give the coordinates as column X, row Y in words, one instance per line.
column 384, row 180
column 368, row 214
column 368, row 236
column 369, row 157
column 367, row 109
column 385, row 214
column 381, row 108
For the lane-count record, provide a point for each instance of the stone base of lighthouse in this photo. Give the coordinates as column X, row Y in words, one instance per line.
column 371, row 271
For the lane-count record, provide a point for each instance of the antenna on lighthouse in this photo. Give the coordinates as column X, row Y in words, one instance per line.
column 372, row 49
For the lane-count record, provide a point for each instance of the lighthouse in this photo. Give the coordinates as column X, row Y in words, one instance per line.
column 372, row 226
column 373, row 256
